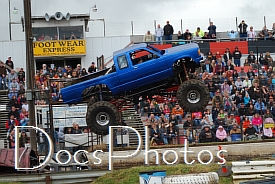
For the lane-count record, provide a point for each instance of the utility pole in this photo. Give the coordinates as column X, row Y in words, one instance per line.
column 30, row 70
column 10, row 18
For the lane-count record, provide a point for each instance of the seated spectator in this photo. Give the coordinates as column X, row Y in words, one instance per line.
column 221, row 134
column 250, row 133
column 69, row 130
column 174, row 121
column 219, row 68
column 24, row 139
column 260, row 107
column 268, row 134
column 12, row 92
column 11, row 123
column 163, row 133
column 207, row 135
column 235, row 130
column 212, row 89
column 166, row 110
column 12, row 75
column 21, row 89
column 189, row 123
column 197, row 117
column 172, row 133
column 24, row 117
column 246, row 99
column 246, row 63
column 152, row 120
column 217, row 97
column 178, row 112
column 155, row 138
column 247, row 83
column 257, row 122
column 25, row 106
column 227, row 101
column 14, row 84
column 232, row 111
column 225, row 88
column 11, row 139
column 242, row 74
column 12, row 101
column 163, row 120
column 207, row 122
column 268, row 114
column 14, row 112
column 77, row 130
column 250, row 112
column 231, row 121
column 232, row 35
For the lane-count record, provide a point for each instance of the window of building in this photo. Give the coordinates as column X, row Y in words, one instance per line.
column 45, row 33
column 71, row 33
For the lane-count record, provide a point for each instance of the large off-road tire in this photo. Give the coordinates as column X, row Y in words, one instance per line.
column 193, row 95
column 100, row 115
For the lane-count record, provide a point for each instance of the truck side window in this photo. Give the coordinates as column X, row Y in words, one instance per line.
column 122, row 62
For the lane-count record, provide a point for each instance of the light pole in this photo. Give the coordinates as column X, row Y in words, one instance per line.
column 30, row 70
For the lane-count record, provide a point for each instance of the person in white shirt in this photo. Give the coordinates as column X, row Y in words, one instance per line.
column 159, row 33
column 251, row 34
column 25, row 106
column 247, row 83
column 148, row 37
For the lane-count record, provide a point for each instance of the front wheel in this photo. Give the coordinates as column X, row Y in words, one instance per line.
column 100, row 115
column 193, row 95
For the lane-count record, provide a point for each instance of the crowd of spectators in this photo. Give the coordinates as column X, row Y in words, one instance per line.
column 242, row 98
column 242, row 33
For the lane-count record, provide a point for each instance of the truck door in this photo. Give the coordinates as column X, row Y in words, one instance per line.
column 150, row 68
column 124, row 72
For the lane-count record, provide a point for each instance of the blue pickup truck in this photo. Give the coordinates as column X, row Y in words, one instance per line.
column 139, row 70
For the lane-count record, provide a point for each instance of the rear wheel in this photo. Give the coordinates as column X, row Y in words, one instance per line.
column 100, row 115
column 193, row 95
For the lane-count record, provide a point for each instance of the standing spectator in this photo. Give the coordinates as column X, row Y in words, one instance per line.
column 227, row 55
column 243, row 29
column 41, row 140
column 92, row 68
column 44, row 69
column 77, row 130
column 168, row 31
column 148, row 37
column 207, row 67
column 61, row 138
column 237, row 56
column 3, row 74
column 264, row 33
column 24, row 139
column 251, row 34
column 9, row 63
column 251, row 57
column 14, row 112
column 159, row 34
column 187, row 34
column 212, row 30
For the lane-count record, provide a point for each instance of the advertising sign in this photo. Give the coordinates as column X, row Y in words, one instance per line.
column 59, row 48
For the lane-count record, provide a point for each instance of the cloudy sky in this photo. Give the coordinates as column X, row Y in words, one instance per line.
column 119, row 14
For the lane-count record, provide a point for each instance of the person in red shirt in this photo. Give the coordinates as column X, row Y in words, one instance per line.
column 178, row 112
column 11, row 123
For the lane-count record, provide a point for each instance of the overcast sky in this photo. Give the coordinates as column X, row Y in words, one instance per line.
column 119, row 14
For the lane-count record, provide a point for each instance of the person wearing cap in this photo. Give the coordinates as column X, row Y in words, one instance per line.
column 250, row 133
column 159, row 34
column 207, row 135
column 237, row 55
column 148, row 37
column 235, row 130
column 9, row 63
column 92, row 68
column 251, row 34
column 187, row 34
column 178, row 112
column 242, row 74
column 231, row 120
column 243, row 29
column 221, row 134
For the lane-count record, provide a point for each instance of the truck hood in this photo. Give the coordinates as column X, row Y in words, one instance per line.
column 179, row 48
